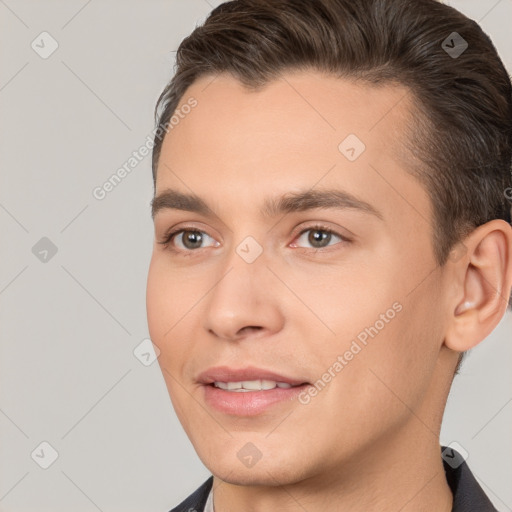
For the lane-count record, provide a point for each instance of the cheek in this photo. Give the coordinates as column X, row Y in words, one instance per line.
column 400, row 360
column 166, row 299
column 386, row 339
column 174, row 310
column 165, row 306
column 336, row 305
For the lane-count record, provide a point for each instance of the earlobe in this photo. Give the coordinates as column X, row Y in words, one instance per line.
column 484, row 275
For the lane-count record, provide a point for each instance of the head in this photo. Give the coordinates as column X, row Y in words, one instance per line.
column 341, row 179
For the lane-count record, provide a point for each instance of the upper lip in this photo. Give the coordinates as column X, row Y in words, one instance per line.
column 227, row 374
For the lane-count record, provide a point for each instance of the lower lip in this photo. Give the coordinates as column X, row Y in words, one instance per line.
column 249, row 403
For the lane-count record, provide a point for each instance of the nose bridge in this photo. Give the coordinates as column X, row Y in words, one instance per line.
column 242, row 295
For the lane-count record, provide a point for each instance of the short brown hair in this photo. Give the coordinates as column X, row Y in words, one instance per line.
column 462, row 133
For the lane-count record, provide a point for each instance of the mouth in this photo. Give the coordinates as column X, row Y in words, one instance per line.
column 249, row 391
column 248, row 386
column 250, row 378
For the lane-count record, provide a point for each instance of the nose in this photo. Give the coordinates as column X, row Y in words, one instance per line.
column 245, row 301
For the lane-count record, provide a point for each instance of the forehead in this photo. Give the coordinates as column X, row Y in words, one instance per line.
column 296, row 132
column 299, row 106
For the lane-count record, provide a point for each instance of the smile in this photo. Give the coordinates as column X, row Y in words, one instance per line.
column 251, row 385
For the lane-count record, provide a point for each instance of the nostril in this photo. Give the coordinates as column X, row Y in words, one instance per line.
column 250, row 328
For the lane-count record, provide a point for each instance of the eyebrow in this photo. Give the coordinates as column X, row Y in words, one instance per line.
column 292, row 202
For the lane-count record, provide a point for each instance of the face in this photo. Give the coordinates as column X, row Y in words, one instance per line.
column 304, row 258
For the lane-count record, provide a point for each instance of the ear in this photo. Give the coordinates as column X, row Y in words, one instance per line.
column 483, row 277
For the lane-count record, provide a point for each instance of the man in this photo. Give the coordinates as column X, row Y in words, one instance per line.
column 332, row 234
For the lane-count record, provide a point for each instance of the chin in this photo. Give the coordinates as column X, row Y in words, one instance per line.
column 268, row 471
column 267, row 477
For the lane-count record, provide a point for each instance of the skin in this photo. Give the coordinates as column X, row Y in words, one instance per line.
column 370, row 439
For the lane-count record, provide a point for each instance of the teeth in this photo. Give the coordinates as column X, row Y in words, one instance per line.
column 251, row 385
column 256, row 385
column 267, row 384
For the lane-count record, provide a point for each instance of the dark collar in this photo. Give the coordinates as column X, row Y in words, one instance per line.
column 197, row 500
column 468, row 496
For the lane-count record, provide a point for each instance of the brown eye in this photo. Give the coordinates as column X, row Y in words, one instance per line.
column 187, row 239
column 191, row 239
column 319, row 237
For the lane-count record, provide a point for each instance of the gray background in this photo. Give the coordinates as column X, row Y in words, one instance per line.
column 69, row 326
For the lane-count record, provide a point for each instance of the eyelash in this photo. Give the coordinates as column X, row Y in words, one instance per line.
column 168, row 237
